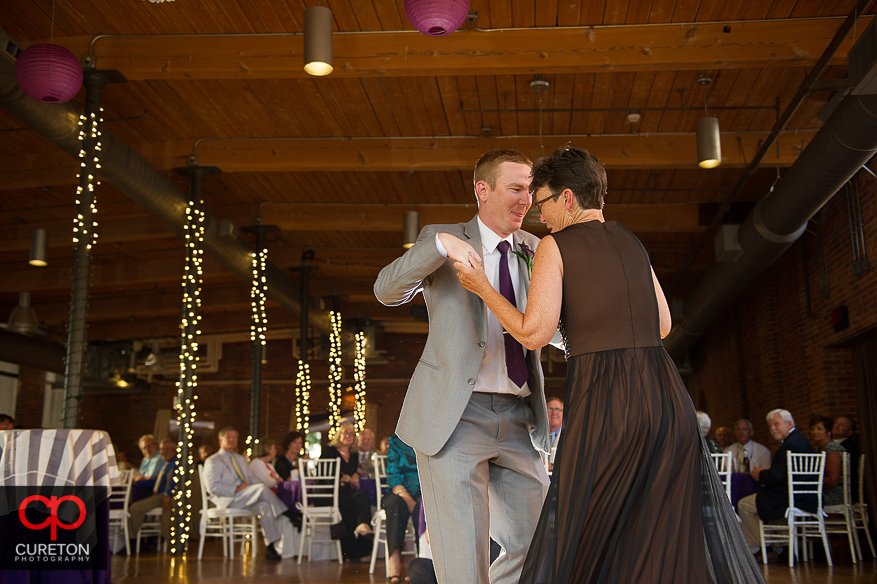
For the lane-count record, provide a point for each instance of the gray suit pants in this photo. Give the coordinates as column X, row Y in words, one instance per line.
column 260, row 499
column 487, row 481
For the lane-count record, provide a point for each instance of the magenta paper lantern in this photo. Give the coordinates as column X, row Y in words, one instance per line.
column 436, row 17
column 48, row 73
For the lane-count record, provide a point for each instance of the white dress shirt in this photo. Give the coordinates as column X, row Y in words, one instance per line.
column 493, row 376
column 759, row 455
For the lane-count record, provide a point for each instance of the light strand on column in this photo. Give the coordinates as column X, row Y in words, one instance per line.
column 335, row 373
column 194, row 240
column 359, row 378
column 303, row 397
column 89, row 164
column 258, row 297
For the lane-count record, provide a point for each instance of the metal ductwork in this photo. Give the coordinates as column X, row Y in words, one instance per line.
column 134, row 176
column 33, row 352
column 846, row 142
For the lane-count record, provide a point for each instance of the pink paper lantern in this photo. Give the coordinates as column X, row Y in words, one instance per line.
column 48, row 73
column 436, row 17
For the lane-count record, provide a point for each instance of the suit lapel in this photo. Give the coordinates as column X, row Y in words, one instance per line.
column 471, row 231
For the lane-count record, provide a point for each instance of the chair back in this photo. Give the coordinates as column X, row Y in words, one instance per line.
column 845, row 477
column 205, row 496
column 120, row 495
column 380, row 461
column 319, row 481
column 722, row 463
column 861, row 478
column 806, row 473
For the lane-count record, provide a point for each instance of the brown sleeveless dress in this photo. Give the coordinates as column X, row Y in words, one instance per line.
column 634, row 496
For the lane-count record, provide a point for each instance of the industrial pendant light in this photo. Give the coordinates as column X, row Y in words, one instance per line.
column 410, row 219
column 318, row 41
column 706, row 132
column 23, row 318
column 39, row 248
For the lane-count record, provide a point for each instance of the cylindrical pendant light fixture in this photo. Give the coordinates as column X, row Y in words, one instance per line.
column 709, row 145
column 318, row 41
column 410, row 228
column 39, row 248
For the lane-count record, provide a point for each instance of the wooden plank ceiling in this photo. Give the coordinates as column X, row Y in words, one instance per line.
column 334, row 161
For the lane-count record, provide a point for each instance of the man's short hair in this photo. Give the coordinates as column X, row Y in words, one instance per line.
column 847, row 416
column 487, row 167
column 144, row 438
column 166, row 440
column 364, row 430
column 785, row 415
column 7, row 418
column 226, row 430
column 748, row 423
column 554, row 398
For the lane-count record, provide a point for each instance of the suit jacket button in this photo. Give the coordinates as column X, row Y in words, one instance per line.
column 471, row 382
column 481, row 343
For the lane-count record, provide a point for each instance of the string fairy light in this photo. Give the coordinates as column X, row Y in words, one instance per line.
column 359, row 378
column 303, row 397
column 258, row 297
column 85, row 224
column 335, row 373
column 185, row 404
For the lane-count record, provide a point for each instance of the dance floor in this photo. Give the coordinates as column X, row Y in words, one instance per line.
column 152, row 568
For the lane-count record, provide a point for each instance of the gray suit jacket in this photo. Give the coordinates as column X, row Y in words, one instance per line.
column 445, row 376
column 221, row 478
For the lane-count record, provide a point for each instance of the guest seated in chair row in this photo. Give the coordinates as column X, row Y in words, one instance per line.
column 264, row 454
column 286, row 463
column 162, row 486
column 365, row 444
column 844, row 433
column 231, row 484
column 820, row 437
column 747, row 448
column 401, row 503
column 152, row 461
column 772, row 499
column 354, row 504
column 7, row 422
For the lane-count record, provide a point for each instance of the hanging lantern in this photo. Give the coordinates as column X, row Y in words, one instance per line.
column 48, row 73
column 436, row 17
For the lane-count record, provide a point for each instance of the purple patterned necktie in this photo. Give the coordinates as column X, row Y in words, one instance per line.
column 514, row 352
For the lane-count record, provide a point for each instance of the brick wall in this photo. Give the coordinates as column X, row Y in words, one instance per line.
column 31, row 393
column 774, row 348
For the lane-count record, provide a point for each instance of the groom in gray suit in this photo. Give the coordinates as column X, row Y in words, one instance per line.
column 475, row 408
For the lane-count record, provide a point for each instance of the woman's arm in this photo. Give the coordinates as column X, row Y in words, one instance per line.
column 832, row 469
column 536, row 327
column 663, row 307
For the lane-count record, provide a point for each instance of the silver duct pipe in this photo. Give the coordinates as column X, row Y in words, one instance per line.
column 845, row 143
column 134, row 176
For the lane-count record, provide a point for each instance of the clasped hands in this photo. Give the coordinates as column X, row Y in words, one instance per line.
column 467, row 262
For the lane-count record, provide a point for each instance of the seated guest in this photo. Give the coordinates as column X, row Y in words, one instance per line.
column 260, row 464
column 820, row 437
column 204, row 452
column 365, row 444
column 844, row 432
column 354, row 504
column 162, row 487
column 152, row 461
column 384, row 447
column 7, row 422
column 723, row 437
column 121, row 460
column 745, row 448
column 401, row 503
column 555, row 425
column 287, row 465
column 232, row 485
column 705, row 423
column 772, row 499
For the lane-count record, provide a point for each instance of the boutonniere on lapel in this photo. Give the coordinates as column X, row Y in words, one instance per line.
column 527, row 255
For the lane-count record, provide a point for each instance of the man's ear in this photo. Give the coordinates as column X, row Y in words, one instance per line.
column 481, row 190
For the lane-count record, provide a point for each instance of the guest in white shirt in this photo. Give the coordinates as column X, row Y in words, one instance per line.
column 555, row 423
column 264, row 454
column 759, row 456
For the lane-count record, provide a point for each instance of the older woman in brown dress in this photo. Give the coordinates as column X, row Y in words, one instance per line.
column 634, row 496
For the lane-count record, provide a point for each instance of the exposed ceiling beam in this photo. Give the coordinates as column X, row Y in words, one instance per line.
column 739, row 44
column 404, row 154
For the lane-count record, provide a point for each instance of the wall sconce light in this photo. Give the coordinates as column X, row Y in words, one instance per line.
column 318, row 41
column 706, row 132
column 39, row 248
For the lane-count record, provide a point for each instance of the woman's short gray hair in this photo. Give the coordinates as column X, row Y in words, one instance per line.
column 705, row 423
column 786, row 415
